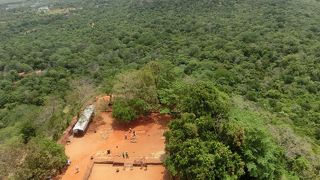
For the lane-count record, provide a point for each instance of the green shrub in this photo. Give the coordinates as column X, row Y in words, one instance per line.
column 123, row 112
column 129, row 110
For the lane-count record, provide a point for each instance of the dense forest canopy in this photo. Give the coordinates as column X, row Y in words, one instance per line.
column 249, row 68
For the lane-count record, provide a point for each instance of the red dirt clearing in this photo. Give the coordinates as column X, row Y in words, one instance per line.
column 105, row 134
column 103, row 172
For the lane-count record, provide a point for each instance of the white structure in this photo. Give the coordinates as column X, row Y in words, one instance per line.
column 84, row 120
column 43, row 9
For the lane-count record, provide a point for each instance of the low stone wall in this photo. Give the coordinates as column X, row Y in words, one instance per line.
column 132, row 160
column 88, row 171
column 68, row 132
column 135, row 162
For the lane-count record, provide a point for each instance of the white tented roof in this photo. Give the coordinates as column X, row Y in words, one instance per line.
column 84, row 119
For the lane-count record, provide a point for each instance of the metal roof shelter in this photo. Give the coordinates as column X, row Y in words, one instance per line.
column 84, row 120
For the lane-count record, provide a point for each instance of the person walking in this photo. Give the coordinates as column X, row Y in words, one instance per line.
column 77, row 170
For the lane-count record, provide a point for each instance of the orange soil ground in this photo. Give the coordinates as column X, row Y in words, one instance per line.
column 105, row 134
column 154, row 172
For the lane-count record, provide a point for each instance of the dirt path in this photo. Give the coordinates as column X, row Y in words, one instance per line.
column 104, row 134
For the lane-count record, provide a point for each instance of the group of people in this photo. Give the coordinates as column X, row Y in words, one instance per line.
column 142, row 163
column 125, row 155
column 133, row 136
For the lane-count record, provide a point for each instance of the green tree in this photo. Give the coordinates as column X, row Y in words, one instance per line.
column 136, row 84
column 28, row 131
column 196, row 153
column 261, row 156
column 44, row 157
column 202, row 98
column 127, row 111
column 122, row 111
column 196, row 159
column 135, row 94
